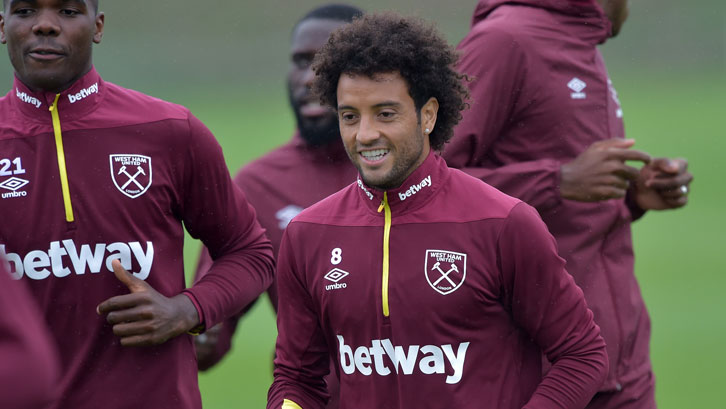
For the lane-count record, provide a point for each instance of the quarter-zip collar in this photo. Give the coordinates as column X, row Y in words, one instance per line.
column 75, row 102
column 585, row 16
column 416, row 190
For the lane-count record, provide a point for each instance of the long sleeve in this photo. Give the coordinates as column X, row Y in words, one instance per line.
column 547, row 303
column 498, row 67
column 216, row 211
column 29, row 372
column 302, row 358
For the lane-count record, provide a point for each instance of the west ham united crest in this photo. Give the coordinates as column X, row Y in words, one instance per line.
column 131, row 174
column 445, row 270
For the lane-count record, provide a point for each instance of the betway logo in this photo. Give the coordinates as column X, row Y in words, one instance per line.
column 40, row 264
column 430, row 359
column 415, row 188
column 363, row 188
column 27, row 98
column 83, row 93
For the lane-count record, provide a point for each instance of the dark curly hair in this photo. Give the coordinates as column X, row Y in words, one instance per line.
column 389, row 42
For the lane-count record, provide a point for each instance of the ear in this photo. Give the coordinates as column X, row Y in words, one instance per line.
column 2, row 29
column 428, row 114
column 100, row 21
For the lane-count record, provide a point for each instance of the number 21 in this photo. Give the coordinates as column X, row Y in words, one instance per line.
column 5, row 167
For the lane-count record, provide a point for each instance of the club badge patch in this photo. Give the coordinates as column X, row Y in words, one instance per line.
column 445, row 270
column 131, row 174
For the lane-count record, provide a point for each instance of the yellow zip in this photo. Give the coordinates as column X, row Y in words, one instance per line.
column 61, row 159
column 288, row 404
column 386, row 244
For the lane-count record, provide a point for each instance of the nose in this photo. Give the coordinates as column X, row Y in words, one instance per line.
column 367, row 132
column 308, row 76
column 46, row 24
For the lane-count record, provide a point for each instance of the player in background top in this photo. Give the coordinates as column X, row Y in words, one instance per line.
column 310, row 167
column 546, row 126
column 421, row 296
column 101, row 183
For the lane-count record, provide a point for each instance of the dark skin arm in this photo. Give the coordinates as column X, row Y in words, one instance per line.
column 600, row 172
column 145, row 317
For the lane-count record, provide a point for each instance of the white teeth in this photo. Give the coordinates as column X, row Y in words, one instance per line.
column 374, row 154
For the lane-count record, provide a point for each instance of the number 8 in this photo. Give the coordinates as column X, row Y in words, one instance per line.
column 337, row 256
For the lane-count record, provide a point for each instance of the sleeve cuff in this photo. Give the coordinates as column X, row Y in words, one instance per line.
column 200, row 314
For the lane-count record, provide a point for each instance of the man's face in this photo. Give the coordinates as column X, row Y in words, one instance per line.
column 318, row 125
column 381, row 128
column 50, row 41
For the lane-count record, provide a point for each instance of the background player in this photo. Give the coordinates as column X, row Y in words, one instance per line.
column 546, row 126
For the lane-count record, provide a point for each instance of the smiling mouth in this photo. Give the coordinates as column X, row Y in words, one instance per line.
column 375, row 154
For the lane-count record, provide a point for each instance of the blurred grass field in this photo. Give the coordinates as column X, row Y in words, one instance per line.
column 679, row 254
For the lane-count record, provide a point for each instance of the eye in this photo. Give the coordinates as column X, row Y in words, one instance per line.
column 386, row 115
column 348, row 117
column 70, row 12
column 22, row 12
column 302, row 61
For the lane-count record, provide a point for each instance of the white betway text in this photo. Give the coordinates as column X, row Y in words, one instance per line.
column 62, row 258
column 73, row 98
column 415, row 188
column 27, row 98
column 430, row 359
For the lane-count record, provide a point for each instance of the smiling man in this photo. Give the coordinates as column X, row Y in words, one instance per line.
column 420, row 296
column 96, row 183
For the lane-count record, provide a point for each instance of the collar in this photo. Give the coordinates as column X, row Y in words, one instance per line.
column 78, row 100
column 333, row 152
column 416, row 190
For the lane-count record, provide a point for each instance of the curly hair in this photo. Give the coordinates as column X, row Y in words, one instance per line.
column 389, row 42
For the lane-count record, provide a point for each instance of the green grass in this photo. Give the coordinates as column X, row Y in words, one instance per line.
column 679, row 254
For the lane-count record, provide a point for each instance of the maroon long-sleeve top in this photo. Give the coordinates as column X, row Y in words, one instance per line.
column 541, row 95
column 443, row 293
column 111, row 173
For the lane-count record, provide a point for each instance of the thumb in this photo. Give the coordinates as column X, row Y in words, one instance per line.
column 666, row 165
column 134, row 284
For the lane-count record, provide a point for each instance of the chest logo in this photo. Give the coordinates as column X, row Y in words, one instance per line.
column 335, row 275
column 131, row 174
column 445, row 270
column 577, row 85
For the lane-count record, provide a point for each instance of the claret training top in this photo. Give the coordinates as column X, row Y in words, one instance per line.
column 98, row 173
column 443, row 293
column 541, row 95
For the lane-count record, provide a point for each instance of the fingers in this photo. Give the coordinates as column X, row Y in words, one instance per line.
column 670, row 166
column 133, row 283
column 628, row 154
column 667, row 182
column 121, row 302
column 138, row 313
column 614, row 143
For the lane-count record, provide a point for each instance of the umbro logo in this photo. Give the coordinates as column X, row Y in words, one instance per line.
column 13, row 184
column 335, row 275
column 577, row 85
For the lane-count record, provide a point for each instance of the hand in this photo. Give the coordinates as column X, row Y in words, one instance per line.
column 600, row 173
column 206, row 347
column 661, row 184
column 146, row 317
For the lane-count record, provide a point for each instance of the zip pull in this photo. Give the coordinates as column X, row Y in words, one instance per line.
column 61, row 159
column 382, row 206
